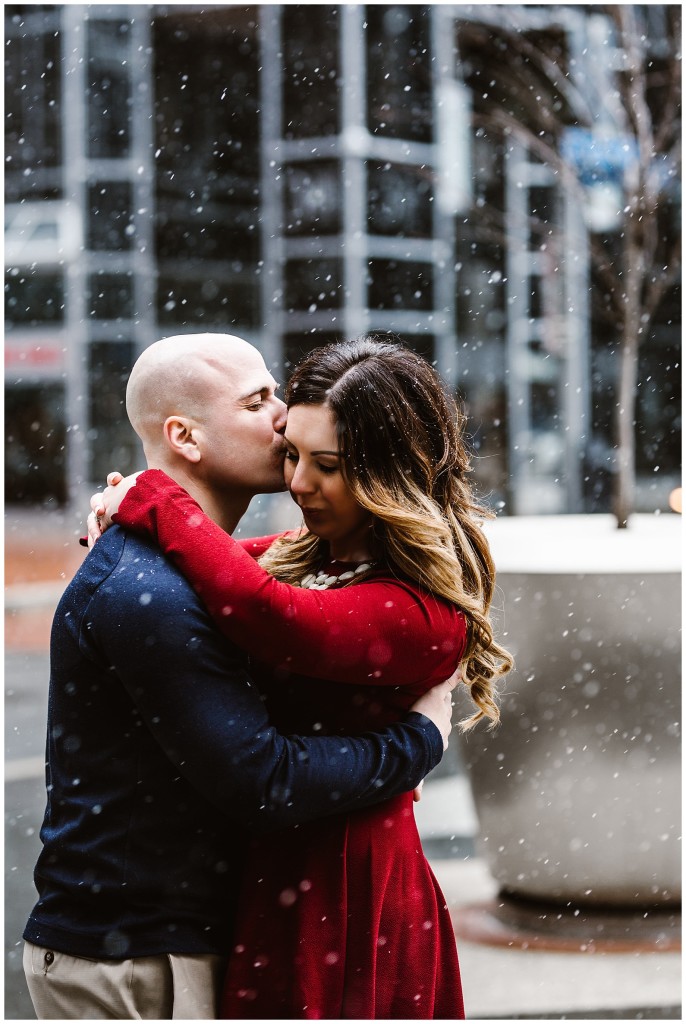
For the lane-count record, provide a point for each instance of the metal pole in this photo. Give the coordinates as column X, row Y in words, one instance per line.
column 577, row 403
column 74, row 171
column 354, row 151
column 445, row 277
column 516, row 293
column 591, row 68
column 143, row 183
column 271, row 187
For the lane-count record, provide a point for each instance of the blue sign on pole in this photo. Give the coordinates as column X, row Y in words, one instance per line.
column 596, row 158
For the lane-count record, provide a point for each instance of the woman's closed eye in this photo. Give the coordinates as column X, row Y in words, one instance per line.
column 294, row 458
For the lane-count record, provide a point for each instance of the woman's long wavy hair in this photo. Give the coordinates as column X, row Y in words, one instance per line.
column 403, row 456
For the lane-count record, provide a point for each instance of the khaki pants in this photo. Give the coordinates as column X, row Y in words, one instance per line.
column 171, row 986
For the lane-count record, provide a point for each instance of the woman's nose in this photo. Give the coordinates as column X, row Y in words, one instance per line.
column 300, row 481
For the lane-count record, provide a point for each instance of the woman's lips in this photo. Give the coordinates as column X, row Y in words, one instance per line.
column 311, row 513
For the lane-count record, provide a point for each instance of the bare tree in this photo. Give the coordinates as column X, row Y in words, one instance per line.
column 531, row 83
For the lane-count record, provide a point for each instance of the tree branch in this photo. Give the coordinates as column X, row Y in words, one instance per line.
column 660, row 283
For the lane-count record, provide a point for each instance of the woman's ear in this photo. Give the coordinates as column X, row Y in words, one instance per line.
column 178, row 433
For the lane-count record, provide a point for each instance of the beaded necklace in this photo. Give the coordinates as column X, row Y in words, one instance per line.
column 322, row 580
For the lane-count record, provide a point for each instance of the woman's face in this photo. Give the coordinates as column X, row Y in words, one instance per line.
column 314, row 478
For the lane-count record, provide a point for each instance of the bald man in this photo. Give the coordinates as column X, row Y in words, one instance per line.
column 160, row 758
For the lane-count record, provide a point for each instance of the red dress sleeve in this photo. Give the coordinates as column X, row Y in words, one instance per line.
column 256, row 546
column 382, row 631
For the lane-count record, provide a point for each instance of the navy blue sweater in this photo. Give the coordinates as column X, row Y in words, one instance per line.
column 161, row 760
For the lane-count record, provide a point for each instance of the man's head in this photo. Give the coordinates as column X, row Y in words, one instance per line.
column 205, row 408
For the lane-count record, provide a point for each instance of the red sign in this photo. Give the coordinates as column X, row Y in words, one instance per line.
column 45, row 358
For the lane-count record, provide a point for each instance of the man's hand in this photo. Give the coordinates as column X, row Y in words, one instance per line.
column 437, row 704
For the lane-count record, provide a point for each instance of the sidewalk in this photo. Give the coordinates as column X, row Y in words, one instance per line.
column 42, row 553
column 501, row 979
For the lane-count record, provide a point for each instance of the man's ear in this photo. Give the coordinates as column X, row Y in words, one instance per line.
column 178, row 433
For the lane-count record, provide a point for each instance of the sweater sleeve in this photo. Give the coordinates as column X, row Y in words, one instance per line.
column 256, row 546
column 379, row 632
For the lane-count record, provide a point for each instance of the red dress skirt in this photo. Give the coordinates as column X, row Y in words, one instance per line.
column 341, row 918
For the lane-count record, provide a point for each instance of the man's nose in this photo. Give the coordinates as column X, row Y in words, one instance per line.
column 280, row 416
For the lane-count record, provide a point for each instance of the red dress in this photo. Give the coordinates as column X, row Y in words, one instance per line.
column 340, row 918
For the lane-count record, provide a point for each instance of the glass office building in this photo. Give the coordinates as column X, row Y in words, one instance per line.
column 295, row 174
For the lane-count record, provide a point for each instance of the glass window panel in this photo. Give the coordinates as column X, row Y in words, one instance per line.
column 109, row 88
column 542, row 202
column 207, row 160
column 110, row 216
column 33, row 137
column 485, row 402
column 481, row 360
column 35, row 459
column 310, row 35
column 659, row 416
column 545, row 406
column 34, row 297
column 15, row 11
column 600, row 453
column 225, row 232
column 535, row 297
column 480, row 297
column 206, row 74
column 313, row 198
column 183, row 301
column 542, row 214
column 110, row 296
column 400, row 284
column 46, row 232
column 313, row 284
column 399, row 200
column 297, row 346
column 424, row 343
column 112, row 442
column 399, row 100
column 546, row 444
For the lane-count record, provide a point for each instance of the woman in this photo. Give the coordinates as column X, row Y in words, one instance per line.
column 382, row 593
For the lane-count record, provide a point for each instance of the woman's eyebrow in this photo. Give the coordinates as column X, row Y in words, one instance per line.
column 319, row 452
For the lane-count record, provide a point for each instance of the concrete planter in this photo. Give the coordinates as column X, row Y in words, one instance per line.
column 578, row 792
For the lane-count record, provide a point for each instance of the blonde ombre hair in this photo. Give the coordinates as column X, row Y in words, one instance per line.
column 403, row 456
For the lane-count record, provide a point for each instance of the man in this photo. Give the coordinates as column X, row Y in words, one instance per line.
column 160, row 758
